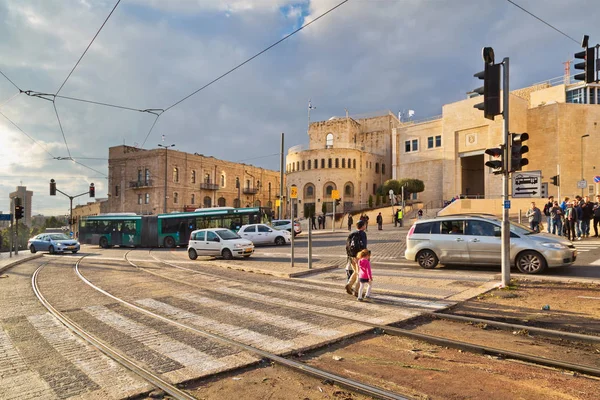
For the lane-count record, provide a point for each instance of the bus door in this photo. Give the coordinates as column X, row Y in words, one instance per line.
column 117, row 233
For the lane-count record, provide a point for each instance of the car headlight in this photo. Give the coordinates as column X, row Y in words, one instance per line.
column 238, row 246
column 553, row 245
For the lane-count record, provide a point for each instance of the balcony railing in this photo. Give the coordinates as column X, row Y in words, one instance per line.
column 249, row 190
column 209, row 186
column 140, row 184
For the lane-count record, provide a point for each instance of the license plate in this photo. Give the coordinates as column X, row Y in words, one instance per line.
column 70, row 247
column 248, row 250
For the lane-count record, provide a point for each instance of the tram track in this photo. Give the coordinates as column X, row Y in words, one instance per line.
column 438, row 340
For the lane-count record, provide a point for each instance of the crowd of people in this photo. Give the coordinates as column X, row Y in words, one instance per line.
column 569, row 218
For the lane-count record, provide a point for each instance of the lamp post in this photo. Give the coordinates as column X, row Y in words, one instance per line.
column 166, row 172
column 582, row 136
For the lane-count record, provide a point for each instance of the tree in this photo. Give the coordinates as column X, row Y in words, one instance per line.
column 410, row 186
column 324, row 208
column 370, row 201
column 377, row 200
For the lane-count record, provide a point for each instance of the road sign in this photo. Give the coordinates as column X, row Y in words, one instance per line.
column 527, row 184
column 294, row 192
column 582, row 184
column 5, row 217
column 507, row 204
column 335, row 194
column 597, row 178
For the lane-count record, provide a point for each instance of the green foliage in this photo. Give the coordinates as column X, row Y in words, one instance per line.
column 324, row 207
column 377, row 200
column 370, row 201
column 410, row 186
column 53, row 222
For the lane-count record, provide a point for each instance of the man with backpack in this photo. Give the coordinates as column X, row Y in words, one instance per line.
column 356, row 241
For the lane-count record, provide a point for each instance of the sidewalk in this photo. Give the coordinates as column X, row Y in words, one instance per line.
column 7, row 262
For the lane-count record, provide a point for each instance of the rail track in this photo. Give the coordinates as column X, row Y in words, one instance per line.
column 171, row 389
column 441, row 341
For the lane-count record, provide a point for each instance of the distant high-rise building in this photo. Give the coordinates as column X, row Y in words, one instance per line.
column 25, row 196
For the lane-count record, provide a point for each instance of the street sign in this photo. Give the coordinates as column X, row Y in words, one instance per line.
column 582, row 184
column 335, row 194
column 277, row 202
column 294, row 192
column 527, row 184
column 5, row 217
column 507, row 204
column 597, row 179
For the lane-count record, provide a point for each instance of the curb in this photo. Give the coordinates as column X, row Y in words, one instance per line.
column 280, row 274
column 17, row 262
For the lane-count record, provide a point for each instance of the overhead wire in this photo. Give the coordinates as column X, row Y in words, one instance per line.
column 8, row 79
column 544, row 22
column 87, row 48
column 61, row 128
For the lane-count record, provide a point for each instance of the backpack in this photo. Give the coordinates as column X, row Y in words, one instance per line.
column 354, row 244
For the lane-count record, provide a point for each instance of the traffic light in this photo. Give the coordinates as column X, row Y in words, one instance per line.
column 92, row 190
column 555, row 180
column 337, row 202
column 18, row 212
column 589, row 57
column 491, row 86
column 496, row 165
column 517, row 149
column 52, row 187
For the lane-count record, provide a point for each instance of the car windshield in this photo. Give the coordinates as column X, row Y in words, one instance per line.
column 59, row 236
column 521, row 229
column 226, row 234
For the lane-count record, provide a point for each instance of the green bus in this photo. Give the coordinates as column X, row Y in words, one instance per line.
column 164, row 230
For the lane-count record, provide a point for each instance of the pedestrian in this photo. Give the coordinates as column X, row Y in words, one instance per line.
column 547, row 207
column 366, row 222
column 320, row 221
column 596, row 210
column 399, row 216
column 570, row 221
column 563, row 205
column 534, row 216
column 587, row 208
column 556, row 215
column 579, row 211
column 395, row 217
column 379, row 222
column 420, row 213
column 350, row 222
column 357, row 241
column 365, row 275
column 313, row 220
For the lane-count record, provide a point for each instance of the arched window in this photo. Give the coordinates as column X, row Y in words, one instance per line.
column 222, row 180
column 329, row 141
column 147, row 198
column 222, row 202
column 328, row 188
column 193, row 177
column 207, row 202
column 297, row 165
column 329, row 163
column 193, row 199
column 309, row 191
column 348, row 190
column 308, row 164
column 175, row 198
column 175, row 174
column 354, row 163
column 322, row 163
column 236, row 203
column 343, row 163
column 349, row 163
column 257, row 203
column 269, row 204
column 316, row 164
column 337, row 163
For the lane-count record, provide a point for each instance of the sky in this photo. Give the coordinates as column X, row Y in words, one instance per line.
column 365, row 56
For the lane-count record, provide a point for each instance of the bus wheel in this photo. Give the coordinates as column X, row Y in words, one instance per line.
column 192, row 253
column 103, row 242
column 169, row 242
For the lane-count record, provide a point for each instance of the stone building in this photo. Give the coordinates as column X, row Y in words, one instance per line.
column 25, row 196
column 448, row 152
column 352, row 155
column 137, row 183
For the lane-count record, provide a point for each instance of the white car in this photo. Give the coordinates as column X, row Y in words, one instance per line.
column 264, row 234
column 218, row 242
column 286, row 224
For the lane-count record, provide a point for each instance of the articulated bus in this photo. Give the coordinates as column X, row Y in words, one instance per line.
column 164, row 230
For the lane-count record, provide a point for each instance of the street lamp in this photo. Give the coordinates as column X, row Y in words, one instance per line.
column 166, row 172
column 582, row 136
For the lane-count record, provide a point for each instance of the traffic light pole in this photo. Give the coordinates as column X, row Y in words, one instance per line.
column 505, row 178
column 71, row 207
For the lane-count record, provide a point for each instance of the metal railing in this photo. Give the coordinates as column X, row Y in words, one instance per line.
column 140, row 184
column 249, row 190
column 209, row 186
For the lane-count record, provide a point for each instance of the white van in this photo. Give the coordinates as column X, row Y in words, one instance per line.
column 218, row 242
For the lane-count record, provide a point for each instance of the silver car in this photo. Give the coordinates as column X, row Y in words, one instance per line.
column 53, row 243
column 476, row 239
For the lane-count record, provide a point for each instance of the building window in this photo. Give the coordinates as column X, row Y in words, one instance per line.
column 328, row 190
column 139, row 199
column 193, row 176
column 349, row 163
column 175, row 174
column 248, row 183
column 237, row 183
column 222, row 180
column 269, row 188
column 376, row 167
column 222, row 202
column 193, row 201
column 117, row 191
column 310, row 191
column 337, row 163
column 303, row 165
column 374, row 188
column 354, row 163
column 343, row 163
column 207, row 178
column 308, row 164
column 175, row 198
column 329, row 163
column 438, row 141
column 147, row 176
column 434, row 141
column 139, row 175
column 329, row 141
column 297, row 165
column 348, row 190
column 322, row 163
column 236, row 203
column 382, row 169
column 207, row 202
column 316, row 163
column 147, row 200
column 577, row 96
column 411, row 145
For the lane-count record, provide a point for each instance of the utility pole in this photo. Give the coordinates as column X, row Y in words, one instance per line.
column 281, row 177
column 505, row 178
column 166, row 147
column 91, row 192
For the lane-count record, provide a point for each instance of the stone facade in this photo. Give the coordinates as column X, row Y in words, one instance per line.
column 137, row 182
column 353, row 156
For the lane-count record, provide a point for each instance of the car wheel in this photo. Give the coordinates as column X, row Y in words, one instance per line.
column 192, row 254
column 531, row 262
column 103, row 242
column 279, row 241
column 51, row 250
column 32, row 249
column 227, row 254
column 427, row 259
column 169, row 242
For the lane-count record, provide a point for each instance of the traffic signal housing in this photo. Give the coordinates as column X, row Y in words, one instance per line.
column 92, row 190
column 517, row 149
column 496, row 165
column 52, row 187
column 555, row 180
column 337, row 202
column 588, row 65
column 490, row 91
column 18, row 212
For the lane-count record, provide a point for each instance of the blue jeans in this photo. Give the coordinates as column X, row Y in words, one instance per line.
column 557, row 226
column 578, row 228
column 549, row 224
column 585, row 227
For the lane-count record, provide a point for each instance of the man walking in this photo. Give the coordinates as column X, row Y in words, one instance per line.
column 357, row 241
column 587, row 209
column 547, row 207
column 399, row 217
column 535, row 217
column 596, row 210
column 313, row 221
column 350, row 222
column 379, row 222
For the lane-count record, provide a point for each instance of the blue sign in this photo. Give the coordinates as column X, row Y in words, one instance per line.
column 506, row 204
column 5, row 217
column 597, row 179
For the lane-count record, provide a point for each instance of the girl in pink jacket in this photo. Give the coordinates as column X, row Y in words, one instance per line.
column 364, row 273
